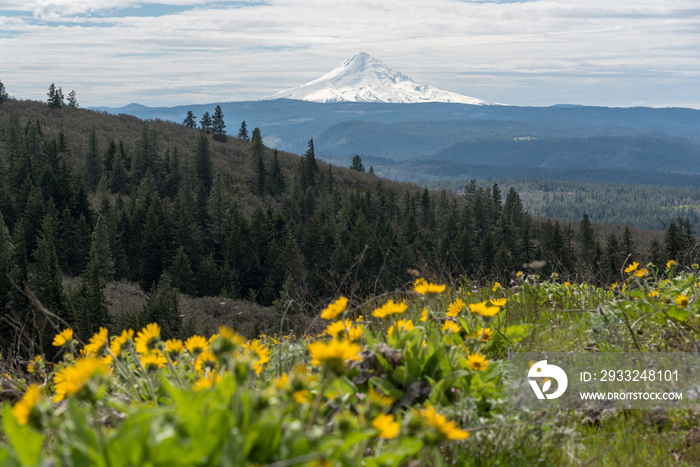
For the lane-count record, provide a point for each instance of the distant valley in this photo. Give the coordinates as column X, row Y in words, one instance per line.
column 408, row 131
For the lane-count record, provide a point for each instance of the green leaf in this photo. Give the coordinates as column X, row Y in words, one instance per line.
column 677, row 314
column 24, row 440
column 517, row 333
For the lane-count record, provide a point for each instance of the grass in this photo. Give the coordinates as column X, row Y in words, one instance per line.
column 327, row 411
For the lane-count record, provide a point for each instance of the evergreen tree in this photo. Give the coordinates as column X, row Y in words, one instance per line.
column 628, row 245
column 72, row 100
column 655, row 253
column 62, row 143
column 357, row 164
column 56, row 98
column 256, row 151
column 308, row 168
column 243, row 131
column 152, row 250
column 3, row 93
column 586, row 238
column 45, row 278
column 181, row 274
column 276, row 181
column 146, row 158
column 218, row 125
column 190, row 120
column 205, row 123
column 93, row 165
column 92, row 305
column 163, row 307
column 101, row 249
column 371, row 170
column 203, row 162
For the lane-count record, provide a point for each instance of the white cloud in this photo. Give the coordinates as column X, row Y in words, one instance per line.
column 611, row 52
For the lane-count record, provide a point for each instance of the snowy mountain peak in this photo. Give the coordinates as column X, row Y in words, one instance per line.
column 364, row 78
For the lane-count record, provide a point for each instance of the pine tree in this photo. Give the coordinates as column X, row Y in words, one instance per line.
column 256, row 151
column 205, row 123
column 190, row 120
column 45, row 275
column 243, row 131
column 92, row 305
column 72, row 100
column 308, row 167
column 357, row 164
column 3, row 93
column 163, row 307
column 203, row 162
column 146, row 158
column 276, row 181
column 93, row 165
column 586, row 239
column 101, row 249
column 218, row 125
column 181, row 274
column 56, row 98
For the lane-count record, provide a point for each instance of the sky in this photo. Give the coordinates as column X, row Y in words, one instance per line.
column 618, row 53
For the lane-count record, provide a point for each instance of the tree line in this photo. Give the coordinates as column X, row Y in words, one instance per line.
column 164, row 218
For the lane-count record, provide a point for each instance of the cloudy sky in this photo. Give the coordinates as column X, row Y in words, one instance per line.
column 528, row 52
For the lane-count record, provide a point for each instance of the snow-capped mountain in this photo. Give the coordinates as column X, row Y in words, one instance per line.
column 364, row 78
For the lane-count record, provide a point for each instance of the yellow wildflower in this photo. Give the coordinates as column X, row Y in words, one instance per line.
column 281, row 382
column 670, row 264
column 390, row 308
column 451, row 326
column 229, row 334
column 477, row 362
column 380, row 399
column 262, row 352
column 641, row 273
column 447, row 429
column 206, row 382
column 72, row 379
column 496, row 286
column 35, row 364
column 23, row 408
column 302, row 396
column 682, row 301
column 174, row 347
column 355, row 332
column 196, row 345
column 335, row 308
column 424, row 315
column 147, row 339
column 98, row 342
column 205, row 359
column 333, row 352
column 483, row 310
column 485, row 334
column 402, row 324
column 632, row 267
column 63, row 338
column 567, row 284
column 455, row 307
column 499, row 302
column 613, row 286
column 653, row 294
column 338, row 327
column 424, row 287
column 154, row 360
column 387, row 426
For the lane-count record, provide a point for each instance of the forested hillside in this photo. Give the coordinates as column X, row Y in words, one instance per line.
column 643, row 206
column 178, row 210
